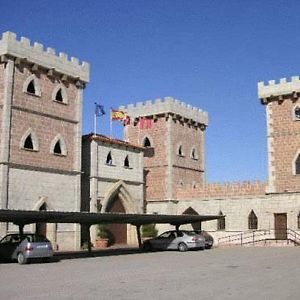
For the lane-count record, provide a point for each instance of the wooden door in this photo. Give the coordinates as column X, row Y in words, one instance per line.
column 280, row 221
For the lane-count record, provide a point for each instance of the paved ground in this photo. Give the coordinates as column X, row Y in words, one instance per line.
column 234, row 273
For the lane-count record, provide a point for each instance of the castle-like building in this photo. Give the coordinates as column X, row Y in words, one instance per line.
column 46, row 164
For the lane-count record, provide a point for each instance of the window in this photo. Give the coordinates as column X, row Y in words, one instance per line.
column 252, row 220
column 297, row 113
column 109, row 159
column 29, row 141
column 221, row 222
column 59, row 94
column 194, row 154
column 147, row 143
column 31, row 86
column 298, row 220
column 58, row 146
column 297, row 165
column 180, row 151
column 126, row 162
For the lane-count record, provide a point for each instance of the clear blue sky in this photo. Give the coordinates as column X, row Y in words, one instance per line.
column 210, row 54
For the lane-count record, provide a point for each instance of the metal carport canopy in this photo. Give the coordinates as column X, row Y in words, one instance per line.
column 23, row 217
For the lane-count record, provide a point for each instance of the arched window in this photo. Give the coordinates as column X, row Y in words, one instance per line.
column 194, row 154
column 29, row 141
column 221, row 222
column 297, row 113
column 31, row 86
column 58, row 146
column 147, row 143
column 59, row 94
column 109, row 159
column 126, row 162
column 252, row 220
column 180, row 151
column 28, row 144
column 297, row 165
column 298, row 220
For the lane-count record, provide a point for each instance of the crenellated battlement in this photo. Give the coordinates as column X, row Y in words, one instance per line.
column 281, row 88
column 46, row 58
column 166, row 105
column 214, row 190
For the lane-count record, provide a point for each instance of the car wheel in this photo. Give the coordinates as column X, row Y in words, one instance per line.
column 208, row 246
column 182, row 247
column 21, row 258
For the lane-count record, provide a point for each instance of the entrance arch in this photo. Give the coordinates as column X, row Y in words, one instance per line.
column 118, row 200
column 48, row 230
column 191, row 211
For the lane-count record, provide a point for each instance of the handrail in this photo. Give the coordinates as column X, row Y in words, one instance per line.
column 254, row 236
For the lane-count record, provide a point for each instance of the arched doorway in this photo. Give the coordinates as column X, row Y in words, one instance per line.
column 41, row 228
column 118, row 200
column 118, row 232
column 191, row 211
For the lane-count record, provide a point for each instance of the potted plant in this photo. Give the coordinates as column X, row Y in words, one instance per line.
column 102, row 236
column 148, row 231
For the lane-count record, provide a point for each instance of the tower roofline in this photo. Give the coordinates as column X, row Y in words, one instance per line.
column 273, row 90
column 9, row 45
column 167, row 105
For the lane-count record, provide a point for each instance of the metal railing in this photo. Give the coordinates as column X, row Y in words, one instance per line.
column 256, row 236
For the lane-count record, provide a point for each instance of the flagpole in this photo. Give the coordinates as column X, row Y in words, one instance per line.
column 110, row 123
column 95, row 120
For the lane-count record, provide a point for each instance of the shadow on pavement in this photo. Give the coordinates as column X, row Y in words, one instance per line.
column 96, row 253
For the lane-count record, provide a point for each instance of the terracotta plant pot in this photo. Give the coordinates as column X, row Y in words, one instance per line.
column 101, row 243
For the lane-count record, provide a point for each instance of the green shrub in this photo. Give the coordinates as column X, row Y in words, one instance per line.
column 102, row 231
column 149, row 230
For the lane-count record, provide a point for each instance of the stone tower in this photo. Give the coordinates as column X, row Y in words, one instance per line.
column 41, row 128
column 173, row 134
column 283, row 133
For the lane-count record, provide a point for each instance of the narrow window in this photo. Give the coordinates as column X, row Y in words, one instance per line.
column 298, row 220
column 126, row 162
column 221, row 222
column 57, row 148
column 31, row 87
column 147, row 143
column 59, row 96
column 180, row 153
column 297, row 113
column 252, row 220
column 297, row 165
column 109, row 159
column 28, row 144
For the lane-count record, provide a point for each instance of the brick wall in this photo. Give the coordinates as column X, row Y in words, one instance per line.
column 47, row 118
column 285, row 145
column 221, row 190
column 156, row 166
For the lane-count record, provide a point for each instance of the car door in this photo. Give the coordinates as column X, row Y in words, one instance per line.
column 7, row 246
column 164, row 241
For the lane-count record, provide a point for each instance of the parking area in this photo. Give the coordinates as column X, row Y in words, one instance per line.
column 231, row 273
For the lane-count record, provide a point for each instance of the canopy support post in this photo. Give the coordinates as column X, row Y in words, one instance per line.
column 89, row 245
column 21, row 229
column 138, row 232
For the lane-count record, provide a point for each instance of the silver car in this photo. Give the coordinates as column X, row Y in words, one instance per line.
column 181, row 240
column 24, row 247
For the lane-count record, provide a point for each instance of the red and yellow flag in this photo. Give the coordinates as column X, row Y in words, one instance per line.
column 118, row 115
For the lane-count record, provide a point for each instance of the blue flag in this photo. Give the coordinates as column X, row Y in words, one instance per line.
column 99, row 110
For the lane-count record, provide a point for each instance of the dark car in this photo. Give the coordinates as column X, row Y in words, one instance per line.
column 24, row 247
column 209, row 240
column 181, row 240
